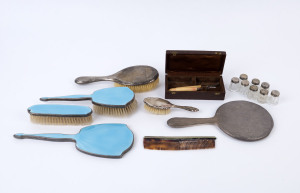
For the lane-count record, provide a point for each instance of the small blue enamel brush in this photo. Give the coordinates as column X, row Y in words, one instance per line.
column 108, row 101
column 60, row 114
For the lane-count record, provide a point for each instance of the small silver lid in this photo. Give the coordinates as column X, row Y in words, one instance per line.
column 235, row 80
column 264, row 91
column 255, row 81
column 245, row 83
column 265, row 85
column 275, row 93
column 243, row 76
column 254, row 88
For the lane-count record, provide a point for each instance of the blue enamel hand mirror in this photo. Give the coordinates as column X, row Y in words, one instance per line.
column 104, row 140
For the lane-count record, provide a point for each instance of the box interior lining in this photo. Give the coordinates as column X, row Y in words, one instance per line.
column 180, row 81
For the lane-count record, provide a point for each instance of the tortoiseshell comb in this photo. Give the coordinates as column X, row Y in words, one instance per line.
column 178, row 143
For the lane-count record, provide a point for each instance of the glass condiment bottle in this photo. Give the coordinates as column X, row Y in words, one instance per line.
column 255, row 81
column 234, row 84
column 265, row 85
column 274, row 97
column 244, row 87
column 243, row 76
column 252, row 93
column 263, row 96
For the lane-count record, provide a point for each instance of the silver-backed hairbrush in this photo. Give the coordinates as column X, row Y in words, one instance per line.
column 161, row 106
column 137, row 78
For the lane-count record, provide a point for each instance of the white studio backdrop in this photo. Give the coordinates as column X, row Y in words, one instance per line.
column 45, row 45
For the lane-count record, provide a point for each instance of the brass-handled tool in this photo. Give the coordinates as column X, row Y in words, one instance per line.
column 195, row 87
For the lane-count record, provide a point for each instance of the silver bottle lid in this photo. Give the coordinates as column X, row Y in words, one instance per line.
column 264, row 91
column 245, row 83
column 265, row 85
column 255, row 81
column 235, row 80
column 254, row 88
column 243, row 76
column 275, row 93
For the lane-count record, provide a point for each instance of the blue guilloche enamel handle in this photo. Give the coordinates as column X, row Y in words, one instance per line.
column 67, row 98
column 46, row 137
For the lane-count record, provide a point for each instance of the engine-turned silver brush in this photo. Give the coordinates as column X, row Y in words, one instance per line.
column 162, row 107
column 137, row 78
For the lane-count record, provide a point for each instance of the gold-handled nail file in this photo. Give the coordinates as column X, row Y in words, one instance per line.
column 186, row 88
column 195, row 87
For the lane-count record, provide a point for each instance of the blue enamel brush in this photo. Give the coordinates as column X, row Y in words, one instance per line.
column 109, row 101
column 60, row 114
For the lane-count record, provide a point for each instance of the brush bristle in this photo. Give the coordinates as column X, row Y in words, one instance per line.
column 141, row 88
column 52, row 120
column 157, row 111
column 116, row 111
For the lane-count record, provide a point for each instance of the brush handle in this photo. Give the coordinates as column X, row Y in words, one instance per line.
column 67, row 98
column 188, row 108
column 90, row 79
column 46, row 137
column 178, row 122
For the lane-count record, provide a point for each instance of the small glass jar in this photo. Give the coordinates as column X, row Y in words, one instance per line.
column 265, row 85
column 244, row 87
column 263, row 96
column 234, row 84
column 274, row 97
column 243, row 76
column 255, row 81
column 252, row 93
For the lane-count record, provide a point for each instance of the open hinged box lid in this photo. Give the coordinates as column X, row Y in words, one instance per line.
column 189, row 68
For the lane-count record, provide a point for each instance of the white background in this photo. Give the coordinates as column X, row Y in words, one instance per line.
column 45, row 45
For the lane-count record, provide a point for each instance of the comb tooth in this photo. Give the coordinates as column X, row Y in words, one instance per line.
column 156, row 111
column 116, row 111
column 141, row 88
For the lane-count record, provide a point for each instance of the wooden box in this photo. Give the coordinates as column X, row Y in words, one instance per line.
column 189, row 68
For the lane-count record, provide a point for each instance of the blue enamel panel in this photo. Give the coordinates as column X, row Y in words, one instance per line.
column 113, row 96
column 51, row 109
column 105, row 139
